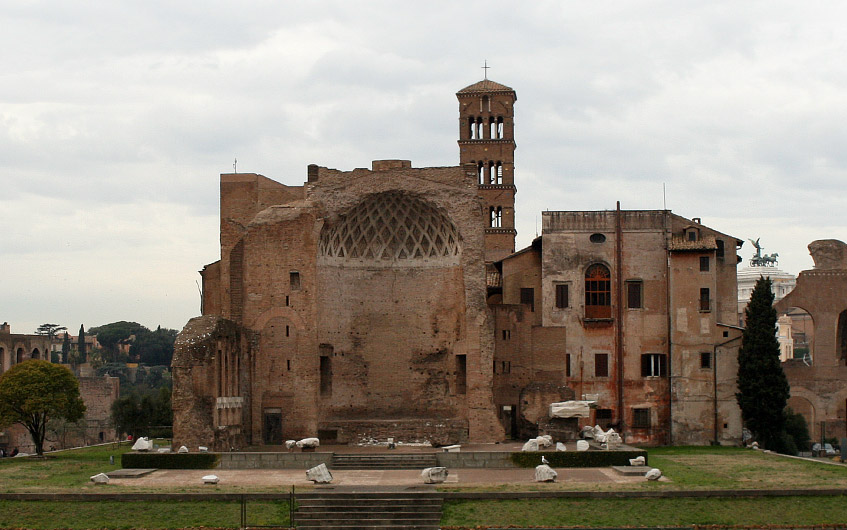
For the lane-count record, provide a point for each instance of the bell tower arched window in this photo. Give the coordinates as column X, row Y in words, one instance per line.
column 495, row 214
column 598, row 292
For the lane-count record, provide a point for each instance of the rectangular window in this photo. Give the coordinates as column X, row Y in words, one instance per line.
column 461, row 375
column 507, row 334
column 654, row 365
column 720, row 251
column 704, row 263
column 692, row 235
column 561, row 295
column 705, row 359
column 294, row 280
column 567, row 365
column 528, row 297
column 705, row 303
column 601, row 365
column 640, row 418
column 505, row 367
column 326, row 376
column 633, row 294
column 603, row 418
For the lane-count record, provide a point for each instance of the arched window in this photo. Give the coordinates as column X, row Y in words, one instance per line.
column 479, row 127
column 35, row 354
column 495, row 219
column 492, row 128
column 499, row 178
column 841, row 337
column 21, row 355
column 598, row 292
column 500, row 127
column 492, row 173
column 480, row 173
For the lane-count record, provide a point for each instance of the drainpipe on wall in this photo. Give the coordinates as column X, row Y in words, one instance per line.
column 619, row 316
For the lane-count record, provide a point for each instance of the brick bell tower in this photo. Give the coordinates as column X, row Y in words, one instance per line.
column 487, row 141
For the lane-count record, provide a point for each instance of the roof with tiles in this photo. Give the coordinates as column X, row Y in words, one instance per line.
column 486, row 85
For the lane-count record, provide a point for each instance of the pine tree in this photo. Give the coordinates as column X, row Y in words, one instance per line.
column 762, row 386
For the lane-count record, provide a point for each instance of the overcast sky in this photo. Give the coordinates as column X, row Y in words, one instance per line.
column 116, row 119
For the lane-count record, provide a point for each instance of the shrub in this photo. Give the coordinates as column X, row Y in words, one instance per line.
column 577, row 458
column 170, row 460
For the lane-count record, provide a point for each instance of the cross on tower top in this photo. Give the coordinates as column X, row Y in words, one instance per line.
column 485, row 68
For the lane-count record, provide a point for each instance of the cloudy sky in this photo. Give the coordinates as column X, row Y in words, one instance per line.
column 116, row 119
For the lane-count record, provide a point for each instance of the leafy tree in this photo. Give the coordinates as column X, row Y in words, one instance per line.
column 110, row 336
column 81, row 348
column 138, row 416
column 762, row 386
column 34, row 392
column 154, row 348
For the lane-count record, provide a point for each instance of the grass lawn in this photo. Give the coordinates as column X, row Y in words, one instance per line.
column 135, row 514
column 647, row 512
column 61, row 471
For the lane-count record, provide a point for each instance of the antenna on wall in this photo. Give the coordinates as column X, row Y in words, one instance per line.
column 234, row 163
column 664, row 198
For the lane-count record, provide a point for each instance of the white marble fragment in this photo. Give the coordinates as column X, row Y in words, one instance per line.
column 531, row 445
column 100, row 478
column 142, row 444
column 581, row 445
column 599, row 434
column 570, row 409
column 613, row 439
column 434, row 475
column 164, row 450
column 290, row 444
column 545, row 473
column 453, row 449
column 308, row 443
column 203, row 449
column 587, row 432
column 653, row 474
column 637, row 461
column 211, row 479
column 319, row 474
column 182, row 449
column 544, row 440
column 561, row 447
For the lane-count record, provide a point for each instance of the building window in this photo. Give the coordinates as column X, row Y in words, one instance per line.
column 597, row 238
column 326, row 376
column 598, row 292
column 705, row 359
column 562, row 301
column 603, row 418
column 705, row 303
column 507, row 334
column 720, row 251
column 692, row 235
column 294, row 280
column 601, row 365
column 495, row 215
column 654, row 365
column 505, row 367
column 640, row 418
column 462, row 374
column 704, row 263
column 528, row 297
column 567, row 365
column 633, row 294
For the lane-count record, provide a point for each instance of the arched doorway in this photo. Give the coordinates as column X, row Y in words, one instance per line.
column 841, row 337
column 802, row 333
column 35, row 354
column 21, row 355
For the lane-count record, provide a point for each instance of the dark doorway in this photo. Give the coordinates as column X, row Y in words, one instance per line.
column 509, row 420
column 272, row 433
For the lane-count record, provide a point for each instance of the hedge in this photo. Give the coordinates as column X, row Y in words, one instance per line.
column 170, row 460
column 577, row 458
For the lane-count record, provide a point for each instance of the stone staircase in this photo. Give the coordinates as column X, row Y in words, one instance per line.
column 360, row 510
column 383, row 461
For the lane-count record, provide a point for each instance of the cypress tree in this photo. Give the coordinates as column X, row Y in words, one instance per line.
column 81, row 344
column 762, row 386
column 66, row 348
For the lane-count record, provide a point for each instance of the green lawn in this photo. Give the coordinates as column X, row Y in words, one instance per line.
column 136, row 514
column 647, row 512
column 61, row 471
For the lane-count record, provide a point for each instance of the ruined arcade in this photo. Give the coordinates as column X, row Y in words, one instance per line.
column 390, row 302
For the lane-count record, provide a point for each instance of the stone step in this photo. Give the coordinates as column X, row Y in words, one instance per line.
column 384, row 510
column 331, row 526
column 400, row 461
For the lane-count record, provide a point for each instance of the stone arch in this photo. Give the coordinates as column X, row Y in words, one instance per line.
column 20, row 355
column 286, row 313
column 802, row 402
column 5, row 363
column 802, row 332
column 36, row 354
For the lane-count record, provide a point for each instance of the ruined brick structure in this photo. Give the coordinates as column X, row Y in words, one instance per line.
column 389, row 302
column 18, row 347
column 817, row 383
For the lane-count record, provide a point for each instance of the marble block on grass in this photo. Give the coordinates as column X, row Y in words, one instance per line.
column 319, row 474
column 434, row 475
column 653, row 474
column 183, row 449
column 211, row 479
column 100, row 478
column 142, row 444
column 545, row 473
column 637, row 461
